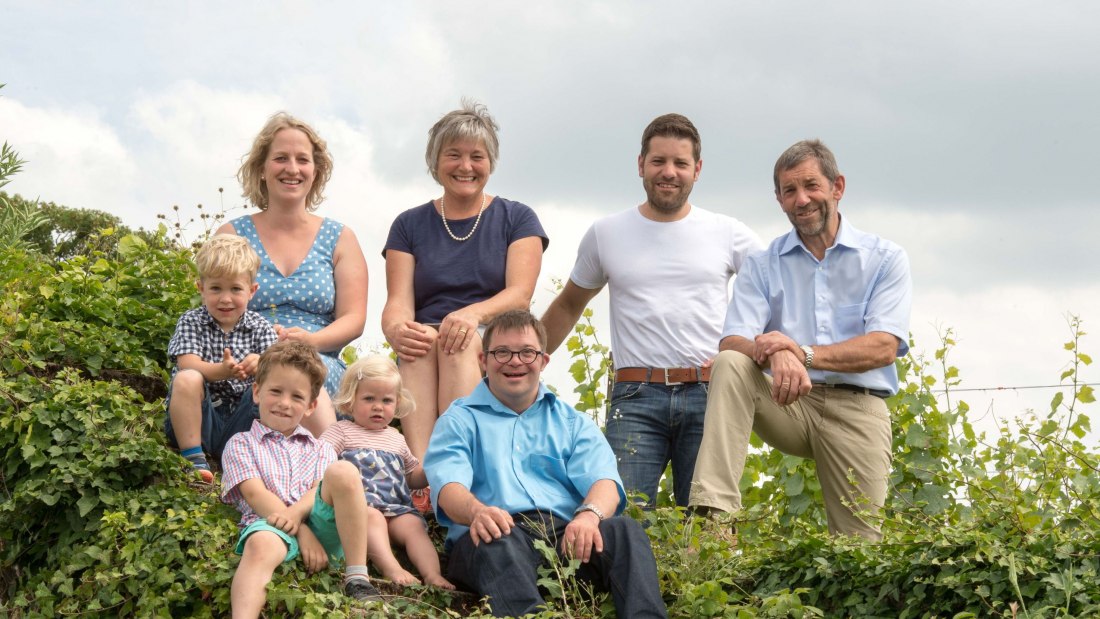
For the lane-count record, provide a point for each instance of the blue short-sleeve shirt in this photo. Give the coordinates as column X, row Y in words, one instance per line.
column 546, row 458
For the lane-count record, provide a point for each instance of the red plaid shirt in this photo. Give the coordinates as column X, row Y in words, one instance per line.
column 288, row 465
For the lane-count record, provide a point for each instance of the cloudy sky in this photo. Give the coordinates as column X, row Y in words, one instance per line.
column 966, row 131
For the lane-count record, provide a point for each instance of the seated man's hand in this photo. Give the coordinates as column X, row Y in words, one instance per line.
column 582, row 537
column 790, row 380
column 313, row 553
column 490, row 523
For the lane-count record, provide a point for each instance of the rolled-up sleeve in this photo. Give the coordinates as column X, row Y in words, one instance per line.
column 449, row 458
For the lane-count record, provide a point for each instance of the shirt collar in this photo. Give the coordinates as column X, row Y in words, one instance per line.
column 846, row 236
column 259, row 431
column 482, row 398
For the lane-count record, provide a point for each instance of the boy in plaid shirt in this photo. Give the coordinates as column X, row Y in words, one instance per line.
column 294, row 496
column 215, row 349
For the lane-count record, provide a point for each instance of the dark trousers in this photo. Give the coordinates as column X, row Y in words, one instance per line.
column 506, row 570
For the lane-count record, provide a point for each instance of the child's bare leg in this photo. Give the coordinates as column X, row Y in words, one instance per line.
column 408, row 530
column 343, row 490
column 185, row 407
column 381, row 553
column 263, row 552
column 185, row 410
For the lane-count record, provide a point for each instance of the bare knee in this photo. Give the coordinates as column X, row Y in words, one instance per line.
column 188, row 382
column 342, row 476
column 264, row 548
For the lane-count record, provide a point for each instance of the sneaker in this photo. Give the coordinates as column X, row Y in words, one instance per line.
column 361, row 589
column 422, row 500
column 205, row 475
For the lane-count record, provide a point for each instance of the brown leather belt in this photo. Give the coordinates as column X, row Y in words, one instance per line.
column 663, row 376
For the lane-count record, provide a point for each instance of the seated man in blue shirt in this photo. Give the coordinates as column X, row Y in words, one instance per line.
column 808, row 352
column 511, row 463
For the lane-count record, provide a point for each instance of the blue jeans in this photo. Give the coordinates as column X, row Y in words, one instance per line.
column 220, row 421
column 506, row 569
column 650, row 425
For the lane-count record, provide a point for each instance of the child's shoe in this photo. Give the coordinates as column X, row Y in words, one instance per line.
column 422, row 500
column 206, row 475
column 197, row 459
column 361, row 589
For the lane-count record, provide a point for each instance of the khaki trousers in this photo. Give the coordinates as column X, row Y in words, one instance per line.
column 846, row 433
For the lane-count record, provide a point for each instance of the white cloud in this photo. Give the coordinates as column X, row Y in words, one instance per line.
column 72, row 156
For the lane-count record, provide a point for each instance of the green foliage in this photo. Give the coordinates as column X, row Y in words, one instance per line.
column 99, row 518
column 591, row 364
column 67, row 232
column 1004, row 527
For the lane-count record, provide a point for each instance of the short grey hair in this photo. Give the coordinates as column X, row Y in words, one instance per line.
column 801, row 151
column 470, row 122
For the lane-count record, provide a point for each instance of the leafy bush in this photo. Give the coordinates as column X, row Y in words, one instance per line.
column 99, row 518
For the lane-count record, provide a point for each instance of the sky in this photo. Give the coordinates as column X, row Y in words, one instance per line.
column 966, row 131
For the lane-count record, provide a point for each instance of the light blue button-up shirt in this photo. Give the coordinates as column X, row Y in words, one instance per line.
column 861, row 285
column 544, row 459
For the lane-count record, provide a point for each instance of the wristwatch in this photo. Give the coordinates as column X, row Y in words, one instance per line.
column 809, row 350
column 588, row 507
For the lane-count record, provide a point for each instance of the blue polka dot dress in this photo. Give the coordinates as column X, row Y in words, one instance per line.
column 307, row 298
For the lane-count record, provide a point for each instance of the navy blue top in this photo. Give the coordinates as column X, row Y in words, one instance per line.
column 450, row 274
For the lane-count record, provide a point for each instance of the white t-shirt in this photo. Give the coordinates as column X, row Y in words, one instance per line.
column 669, row 282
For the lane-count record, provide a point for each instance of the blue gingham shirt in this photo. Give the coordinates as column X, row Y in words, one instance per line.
column 197, row 333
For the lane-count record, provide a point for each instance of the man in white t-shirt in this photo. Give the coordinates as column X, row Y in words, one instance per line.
column 669, row 264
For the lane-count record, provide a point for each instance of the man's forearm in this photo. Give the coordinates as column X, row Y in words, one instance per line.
column 859, row 354
column 459, row 503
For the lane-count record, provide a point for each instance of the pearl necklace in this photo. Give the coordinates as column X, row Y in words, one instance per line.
column 443, row 214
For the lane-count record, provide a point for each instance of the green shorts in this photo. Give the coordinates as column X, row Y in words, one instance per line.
column 322, row 521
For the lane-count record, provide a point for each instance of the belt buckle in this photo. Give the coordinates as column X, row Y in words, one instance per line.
column 671, row 384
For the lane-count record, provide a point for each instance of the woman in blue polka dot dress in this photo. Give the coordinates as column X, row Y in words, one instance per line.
column 313, row 277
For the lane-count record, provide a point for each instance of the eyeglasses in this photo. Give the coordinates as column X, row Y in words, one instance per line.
column 526, row 356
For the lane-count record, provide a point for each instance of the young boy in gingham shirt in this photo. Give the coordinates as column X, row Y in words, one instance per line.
column 294, row 496
column 215, row 349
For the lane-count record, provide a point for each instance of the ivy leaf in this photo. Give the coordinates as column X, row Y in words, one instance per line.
column 934, row 498
column 917, row 436
column 1085, row 395
column 795, row 485
column 86, row 504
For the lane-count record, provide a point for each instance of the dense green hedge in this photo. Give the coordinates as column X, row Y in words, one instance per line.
column 99, row 518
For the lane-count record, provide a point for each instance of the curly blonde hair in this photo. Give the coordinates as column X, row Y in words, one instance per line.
column 250, row 174
column 371, row 368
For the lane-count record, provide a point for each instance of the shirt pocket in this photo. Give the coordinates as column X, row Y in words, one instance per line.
column 849, row 319
column 553, row 473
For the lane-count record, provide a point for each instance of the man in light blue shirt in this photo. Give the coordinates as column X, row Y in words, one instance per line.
column 808, row 351
column 510, row 464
